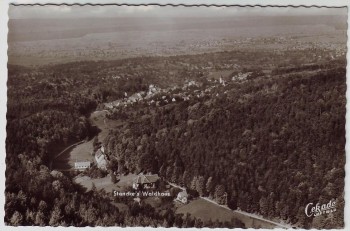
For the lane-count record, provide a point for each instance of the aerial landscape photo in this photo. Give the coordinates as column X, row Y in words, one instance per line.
column 161, row 116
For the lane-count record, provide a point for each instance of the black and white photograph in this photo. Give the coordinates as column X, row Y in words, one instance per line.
column 155, row 115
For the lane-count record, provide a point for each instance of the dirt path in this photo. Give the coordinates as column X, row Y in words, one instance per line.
column 279, row 225
column 77, row 143
column 176, row 186
column 64, row 151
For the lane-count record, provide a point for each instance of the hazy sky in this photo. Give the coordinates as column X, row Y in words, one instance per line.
column 156, row 11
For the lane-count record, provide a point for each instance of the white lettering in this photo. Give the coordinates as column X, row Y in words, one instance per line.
column 318, row 209
column 306, row 209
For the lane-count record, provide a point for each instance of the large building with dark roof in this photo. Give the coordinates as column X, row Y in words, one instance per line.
column 145, row 181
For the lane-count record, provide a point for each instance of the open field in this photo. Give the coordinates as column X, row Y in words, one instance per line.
column 60, row 160
column 98, row 119
column 205, row 210
column 84, row 151
column 106, row 182
column 155, row 202
column 217, row 74
column 81, row 152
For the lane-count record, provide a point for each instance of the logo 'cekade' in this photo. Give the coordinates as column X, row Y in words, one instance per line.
column 320, row 209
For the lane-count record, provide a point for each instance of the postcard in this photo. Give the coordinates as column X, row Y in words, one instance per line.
column 173, row 115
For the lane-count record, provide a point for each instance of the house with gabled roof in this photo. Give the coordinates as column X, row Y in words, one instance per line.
column 101, row 158
column 146, row 181
column 182, row 197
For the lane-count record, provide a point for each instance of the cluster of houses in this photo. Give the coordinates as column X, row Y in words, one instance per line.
column 154, row 95
column 241, row 76
column 151, row 181
column 137, row 97
column 140, row 182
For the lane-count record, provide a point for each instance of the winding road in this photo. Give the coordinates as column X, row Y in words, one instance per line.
column 254, row 216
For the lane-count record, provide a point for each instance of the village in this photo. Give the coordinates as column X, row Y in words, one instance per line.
column 160, row 97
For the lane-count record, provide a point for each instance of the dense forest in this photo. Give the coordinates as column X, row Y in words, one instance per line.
column 47, row 107
column 268, row 145
column 272, row 145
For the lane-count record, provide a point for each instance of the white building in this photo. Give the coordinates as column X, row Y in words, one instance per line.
column 101, row 159
column 182, row 197
column 82, row 165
